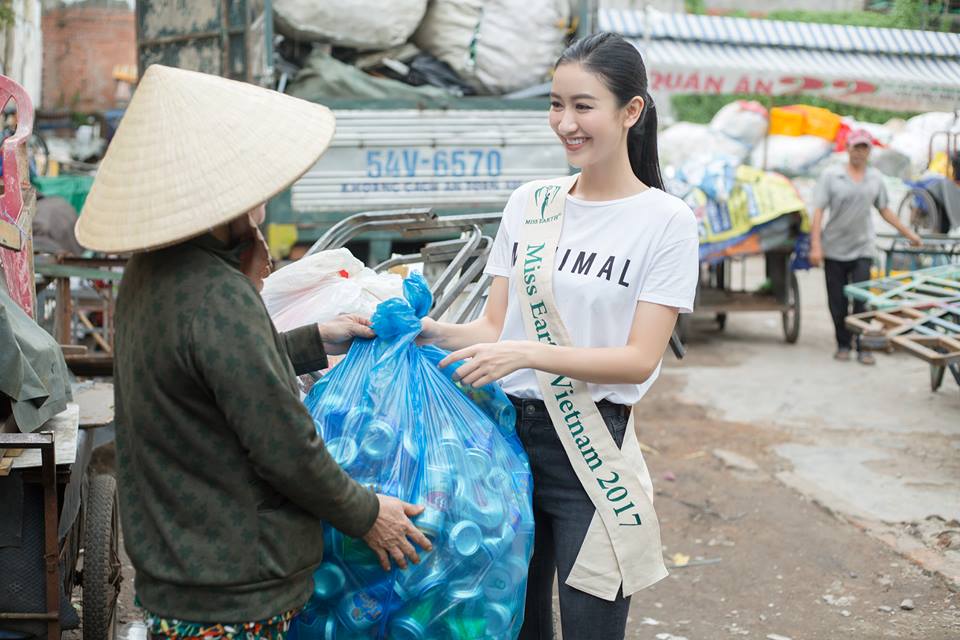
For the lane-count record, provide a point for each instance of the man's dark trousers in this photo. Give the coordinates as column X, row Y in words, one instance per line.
column 841, row 273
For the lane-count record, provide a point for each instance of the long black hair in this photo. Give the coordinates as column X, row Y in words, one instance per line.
column 621, row 68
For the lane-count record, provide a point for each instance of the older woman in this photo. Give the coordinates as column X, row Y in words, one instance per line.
column 223, row 479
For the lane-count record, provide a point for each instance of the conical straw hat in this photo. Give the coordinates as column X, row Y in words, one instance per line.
column 194, row 151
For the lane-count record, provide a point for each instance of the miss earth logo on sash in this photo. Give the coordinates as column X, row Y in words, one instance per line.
column 543, row 196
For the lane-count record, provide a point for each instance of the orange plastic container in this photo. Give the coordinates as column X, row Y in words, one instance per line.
column 787, row 121
column 820, row 122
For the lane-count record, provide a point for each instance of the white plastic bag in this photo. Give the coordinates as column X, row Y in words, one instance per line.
column 742, row 120
column 362, row 24
column 497, row 46
column 320, row 287
column 792, row 155
column 685, row 142
column 914, row 140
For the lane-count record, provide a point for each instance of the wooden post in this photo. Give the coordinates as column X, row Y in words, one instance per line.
column 64, row 313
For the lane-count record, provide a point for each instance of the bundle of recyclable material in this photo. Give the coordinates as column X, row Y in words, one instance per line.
column 417, row 50
column 925, row 133
column 743, row 120
column 363, row 24
column 397, row 423
column 687, row 141
column 319, row 287
column 791, row 155
column 497, row 46
column 742, row 210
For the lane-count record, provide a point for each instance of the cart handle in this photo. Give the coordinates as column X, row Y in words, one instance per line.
column 11, row 203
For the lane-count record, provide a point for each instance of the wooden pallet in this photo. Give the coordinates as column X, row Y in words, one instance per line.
column 878, row 327
column 939, row 351
column 939, row 284
column 942, row 353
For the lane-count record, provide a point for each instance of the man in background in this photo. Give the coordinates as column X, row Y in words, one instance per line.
column 846, row 244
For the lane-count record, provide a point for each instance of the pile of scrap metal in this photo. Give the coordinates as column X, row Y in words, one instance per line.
column 917, row 312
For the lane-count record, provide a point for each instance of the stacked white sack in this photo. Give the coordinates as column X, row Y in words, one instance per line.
column 914, row 140
column 744, row 121
column 498, row 46
column 361, row 24
column 686, row 141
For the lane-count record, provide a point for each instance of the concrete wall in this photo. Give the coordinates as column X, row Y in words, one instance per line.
column 21, row 47
column 82, row 45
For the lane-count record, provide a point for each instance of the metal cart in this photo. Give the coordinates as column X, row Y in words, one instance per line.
column 453, row 256
column 937, row 250
column 79, row 527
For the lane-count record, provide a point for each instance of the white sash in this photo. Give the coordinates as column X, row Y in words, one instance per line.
column 622, row 545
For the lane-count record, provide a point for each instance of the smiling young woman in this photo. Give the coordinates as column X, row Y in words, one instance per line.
column 591, row 272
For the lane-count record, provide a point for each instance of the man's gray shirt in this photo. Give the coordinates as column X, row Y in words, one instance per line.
column 849, row 233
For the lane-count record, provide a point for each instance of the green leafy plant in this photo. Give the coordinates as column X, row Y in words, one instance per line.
column 899, row 14
column 702, row 108
column 695, row 6
column 7, row 15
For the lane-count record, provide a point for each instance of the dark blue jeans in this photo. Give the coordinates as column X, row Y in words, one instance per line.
column 562, row 513
column 840, row 273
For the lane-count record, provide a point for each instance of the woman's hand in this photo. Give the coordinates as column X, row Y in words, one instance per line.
column 429, row 332
column 391, row 533
column 338, row 334
column 489, row 362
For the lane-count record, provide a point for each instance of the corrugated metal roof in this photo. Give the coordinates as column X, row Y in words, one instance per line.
column 774, row 33
column 877, row 67
column 885, row 68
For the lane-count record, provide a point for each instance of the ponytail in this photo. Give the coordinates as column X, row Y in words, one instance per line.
column 642, row 147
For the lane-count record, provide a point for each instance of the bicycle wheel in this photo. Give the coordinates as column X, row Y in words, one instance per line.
column 919, row 210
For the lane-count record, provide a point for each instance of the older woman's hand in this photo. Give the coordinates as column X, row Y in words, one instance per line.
column 338, row 334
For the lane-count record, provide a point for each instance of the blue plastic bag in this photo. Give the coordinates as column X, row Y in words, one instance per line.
column 399, row 424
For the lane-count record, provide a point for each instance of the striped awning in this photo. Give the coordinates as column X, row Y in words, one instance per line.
column 884, row 68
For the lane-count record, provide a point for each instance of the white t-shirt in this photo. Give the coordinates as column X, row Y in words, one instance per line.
column 612, row 254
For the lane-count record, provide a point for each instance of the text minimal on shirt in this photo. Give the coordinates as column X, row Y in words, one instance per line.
column 583, row 263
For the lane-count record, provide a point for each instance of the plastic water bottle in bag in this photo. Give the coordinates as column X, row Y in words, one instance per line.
column 398, row 423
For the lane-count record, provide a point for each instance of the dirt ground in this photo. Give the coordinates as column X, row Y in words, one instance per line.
column 838, row 504
column 764, row 561
column 780, row 565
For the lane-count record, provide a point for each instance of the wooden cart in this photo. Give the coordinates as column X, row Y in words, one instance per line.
column 719, row 295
